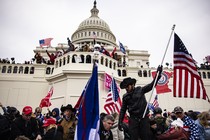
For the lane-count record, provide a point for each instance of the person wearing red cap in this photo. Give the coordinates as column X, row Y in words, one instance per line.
column 52, row 131
column 25, row 125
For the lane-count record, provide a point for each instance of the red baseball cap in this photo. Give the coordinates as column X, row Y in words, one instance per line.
column 48, row 122
column 27, row 110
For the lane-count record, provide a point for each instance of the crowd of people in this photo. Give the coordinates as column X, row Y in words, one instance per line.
column 60, row 124
column 85, row 48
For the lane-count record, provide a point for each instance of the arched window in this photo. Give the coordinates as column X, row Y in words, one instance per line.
column 110, row 64
column 82, row 58
column 114, row 65
column 74, row 57
column 88, row 59
column 106, row 62
column 145, row 73
column 21, row 69
column 204, row 75
column 26, row 70
column 4, row 69
column 149, row 73
column 208, row 75
column 68, row 59
column 119, row 72
column 60, row 63
column 48, row 70
column 140, row 73
column 124, row 73
column 64, row 61
column 52, row 70
column 15, row 69
column 32, row 70
column 9, row 70
column 102, row 60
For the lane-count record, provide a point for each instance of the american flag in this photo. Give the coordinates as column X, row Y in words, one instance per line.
column 187, row 82
column 45, row 42
column 155, row 102
column 113, row 102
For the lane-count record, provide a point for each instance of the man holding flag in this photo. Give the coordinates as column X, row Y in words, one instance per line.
column 134, row 100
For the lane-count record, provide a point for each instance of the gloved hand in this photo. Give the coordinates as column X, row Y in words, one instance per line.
column 160, row 70
column 120, row 126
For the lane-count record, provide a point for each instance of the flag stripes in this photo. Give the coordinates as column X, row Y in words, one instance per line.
column 187, row 81
column 113, row 102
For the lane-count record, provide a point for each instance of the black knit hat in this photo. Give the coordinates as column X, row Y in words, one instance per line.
column 126, row 82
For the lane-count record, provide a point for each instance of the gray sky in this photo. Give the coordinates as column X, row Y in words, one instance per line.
column 138, row 24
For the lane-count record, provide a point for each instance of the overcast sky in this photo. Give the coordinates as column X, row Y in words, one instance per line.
column 138, row 24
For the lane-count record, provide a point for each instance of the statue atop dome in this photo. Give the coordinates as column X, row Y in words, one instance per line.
column 94, row 11
column 94, row 4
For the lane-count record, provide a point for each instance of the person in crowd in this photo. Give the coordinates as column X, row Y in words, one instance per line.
column 192, row 114
column 160, row 121
column 153, row 127
column 135, row 101
column 52, row 57
column 38, row 58
column 70, row 48
column 56, row 114
column 189, row 125
column 52, row 131
column 9, row 115
column 102, row 115
column 117, row 134
column 68, row 122
column 203, row 125
column 165, row 114
column 105, row 128
column 176, row 131
column 22, row 138
column 40, row 118
column 25, row 125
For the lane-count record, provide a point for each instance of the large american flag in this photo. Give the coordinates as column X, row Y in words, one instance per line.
column 187, row 82
column 113, row 102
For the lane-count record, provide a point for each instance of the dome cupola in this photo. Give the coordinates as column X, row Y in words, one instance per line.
column 93, row 28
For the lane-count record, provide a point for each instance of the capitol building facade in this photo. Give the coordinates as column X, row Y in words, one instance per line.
column 27, row 84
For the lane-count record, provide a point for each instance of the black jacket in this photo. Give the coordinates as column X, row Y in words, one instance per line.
column 21, row 127
column 104, row 134
column 53, row 134
column 135, row 102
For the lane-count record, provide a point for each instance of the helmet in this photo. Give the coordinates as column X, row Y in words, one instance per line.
column 157, row 110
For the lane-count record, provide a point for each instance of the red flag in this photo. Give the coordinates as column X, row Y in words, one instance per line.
column 45, row 102
column 113, row 101
column 112, row 53
column 187, row 81
column 162, row 85
column 45, row 42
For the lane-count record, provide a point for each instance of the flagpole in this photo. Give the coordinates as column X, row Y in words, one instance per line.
column 172, row 30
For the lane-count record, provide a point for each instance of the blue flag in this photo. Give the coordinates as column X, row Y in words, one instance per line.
column 122, row 48
column 88, row 117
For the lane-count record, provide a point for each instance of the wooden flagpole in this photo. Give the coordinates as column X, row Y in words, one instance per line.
column 158, row 71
